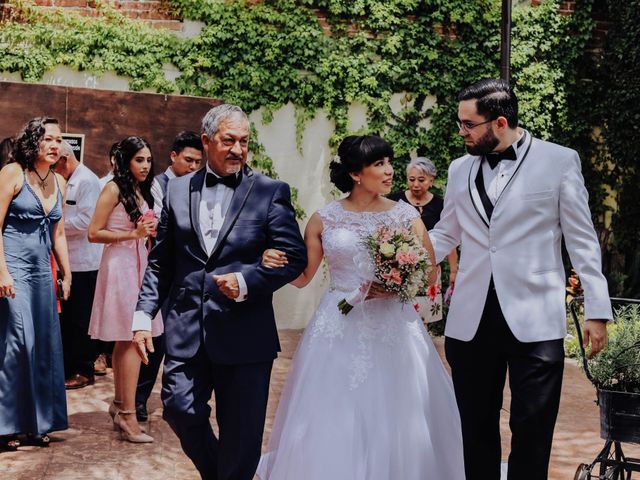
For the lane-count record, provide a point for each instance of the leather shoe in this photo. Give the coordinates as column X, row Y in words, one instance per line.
column 141, row 412
column 78, row 381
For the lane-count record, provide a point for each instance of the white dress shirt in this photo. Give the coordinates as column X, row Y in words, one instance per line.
column 495, row 179
column 214, row 203
column 158, row 194
column 83, row 189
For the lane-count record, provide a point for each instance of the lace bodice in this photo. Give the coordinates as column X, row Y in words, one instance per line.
column 342, row 235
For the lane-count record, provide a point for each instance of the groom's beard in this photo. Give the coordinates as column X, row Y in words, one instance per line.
column 485, row 144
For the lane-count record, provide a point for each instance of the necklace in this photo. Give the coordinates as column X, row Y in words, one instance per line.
column 418, row 203
column 43, row 181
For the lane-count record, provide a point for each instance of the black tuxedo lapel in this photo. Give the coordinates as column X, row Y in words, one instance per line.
column 238, row 200
column 486, row 202
column 474, row 193
column 195, row 194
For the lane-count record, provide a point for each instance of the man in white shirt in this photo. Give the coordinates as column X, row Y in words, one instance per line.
column 185, row 157
column 83, row 188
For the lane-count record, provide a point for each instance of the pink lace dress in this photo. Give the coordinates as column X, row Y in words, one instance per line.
column 119, row 280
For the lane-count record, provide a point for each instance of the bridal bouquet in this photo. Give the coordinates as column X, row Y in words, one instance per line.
column 400, row 263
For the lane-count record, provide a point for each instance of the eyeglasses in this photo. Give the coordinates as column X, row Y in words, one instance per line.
column 468, row 126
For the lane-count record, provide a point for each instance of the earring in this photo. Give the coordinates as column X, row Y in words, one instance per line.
column 358, row 182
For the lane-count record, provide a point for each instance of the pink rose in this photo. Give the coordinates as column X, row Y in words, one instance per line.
column 407, row 258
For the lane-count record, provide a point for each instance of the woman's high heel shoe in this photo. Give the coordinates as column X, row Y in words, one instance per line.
column 130, row 437
column 114, row 408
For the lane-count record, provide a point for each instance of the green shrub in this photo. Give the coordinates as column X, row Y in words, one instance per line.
column 617, row 367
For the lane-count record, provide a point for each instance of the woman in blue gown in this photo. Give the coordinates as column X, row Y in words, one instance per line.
column 32, row 392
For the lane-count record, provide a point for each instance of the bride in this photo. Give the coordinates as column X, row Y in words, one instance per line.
column 367, row 397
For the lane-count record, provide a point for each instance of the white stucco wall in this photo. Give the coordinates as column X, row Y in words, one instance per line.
column 306, row 169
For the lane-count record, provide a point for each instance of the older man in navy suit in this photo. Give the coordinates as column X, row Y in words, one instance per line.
column 220, row 330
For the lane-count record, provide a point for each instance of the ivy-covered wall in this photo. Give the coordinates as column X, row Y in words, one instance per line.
column 326, row 55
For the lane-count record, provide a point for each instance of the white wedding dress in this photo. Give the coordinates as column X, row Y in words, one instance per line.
column 367, row 396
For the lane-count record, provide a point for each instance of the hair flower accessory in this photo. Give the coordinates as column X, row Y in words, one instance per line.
column 336, row 158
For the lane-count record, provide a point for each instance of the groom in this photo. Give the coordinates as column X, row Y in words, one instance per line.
column 508, row 205
column 220, row 330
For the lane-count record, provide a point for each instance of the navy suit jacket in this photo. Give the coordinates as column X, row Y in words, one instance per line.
column 260, row 216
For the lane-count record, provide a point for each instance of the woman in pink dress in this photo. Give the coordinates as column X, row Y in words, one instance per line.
column 123, row 219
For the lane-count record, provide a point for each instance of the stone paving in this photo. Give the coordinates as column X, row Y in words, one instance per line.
column 90, row 449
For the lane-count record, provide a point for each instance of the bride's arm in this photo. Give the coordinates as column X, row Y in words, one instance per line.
column 420, row 230
column 312, row 239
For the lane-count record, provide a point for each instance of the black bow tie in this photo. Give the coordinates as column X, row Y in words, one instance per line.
column 494, row 158
column 231, row 181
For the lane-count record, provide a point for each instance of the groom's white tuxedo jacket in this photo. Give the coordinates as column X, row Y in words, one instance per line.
column 520, row 245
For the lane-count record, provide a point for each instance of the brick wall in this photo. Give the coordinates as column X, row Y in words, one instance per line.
column 602, row 24
column 150, row 11
column 155, row 13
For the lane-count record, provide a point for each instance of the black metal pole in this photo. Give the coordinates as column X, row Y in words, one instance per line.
column 505, row 40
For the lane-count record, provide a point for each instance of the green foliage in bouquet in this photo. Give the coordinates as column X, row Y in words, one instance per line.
column 617, row 367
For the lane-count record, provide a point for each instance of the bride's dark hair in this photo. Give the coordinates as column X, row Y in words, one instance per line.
column 355, row 153
column 122, row 177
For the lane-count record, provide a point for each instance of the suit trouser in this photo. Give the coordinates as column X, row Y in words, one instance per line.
column 479, row 369
column 241, row 393
column 79, row 349
column 149, row 372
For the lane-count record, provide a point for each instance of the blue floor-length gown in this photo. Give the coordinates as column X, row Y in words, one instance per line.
column 32, row 391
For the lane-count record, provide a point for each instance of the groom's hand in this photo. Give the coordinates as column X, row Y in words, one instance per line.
column 143, row 341
column 228, row 285
column 596, row 332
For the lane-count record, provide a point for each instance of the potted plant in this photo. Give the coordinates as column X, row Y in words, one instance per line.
column 616, row 373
